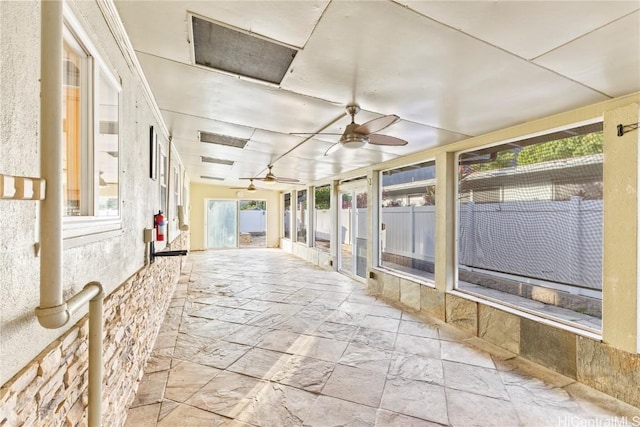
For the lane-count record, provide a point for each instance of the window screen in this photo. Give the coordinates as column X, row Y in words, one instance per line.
column 530, row 223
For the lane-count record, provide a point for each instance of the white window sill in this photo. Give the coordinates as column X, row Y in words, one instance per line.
column 81, row 231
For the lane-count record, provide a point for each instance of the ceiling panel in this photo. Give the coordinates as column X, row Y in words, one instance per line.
column 607, row 59
column 426, row 73
column 448, row 69
column 525, row 28
column 203, row 93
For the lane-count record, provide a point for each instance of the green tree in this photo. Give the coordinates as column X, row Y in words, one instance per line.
column 323, row 197
column 575, row 146
column 565, row 148
column 253, row 204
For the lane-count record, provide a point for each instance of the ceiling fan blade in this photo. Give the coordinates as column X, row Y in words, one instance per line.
column 376, row 139
column 287, row 180
column 313, row 133
column 376, row 125
column 332, row 149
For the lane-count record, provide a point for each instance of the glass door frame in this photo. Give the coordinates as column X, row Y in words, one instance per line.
column 206, row 221
column 353, row 188
column 237, row 202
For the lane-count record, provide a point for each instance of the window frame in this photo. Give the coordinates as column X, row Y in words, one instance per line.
column 303, row 216
column 89, row 223
column 546, row 284
column 426, row 279
column 286, row 230
column 314, row 240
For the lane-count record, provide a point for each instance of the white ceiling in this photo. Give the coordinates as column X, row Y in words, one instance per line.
column 448, row 69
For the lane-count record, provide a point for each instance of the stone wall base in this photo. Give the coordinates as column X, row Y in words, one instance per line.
column 591, row 362
column 52, row 389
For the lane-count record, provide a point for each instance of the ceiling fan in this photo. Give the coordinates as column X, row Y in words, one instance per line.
column 250, row 189
column 270, row 178
column 357, row 136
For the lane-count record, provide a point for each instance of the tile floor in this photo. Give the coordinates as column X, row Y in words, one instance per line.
column 259, row 337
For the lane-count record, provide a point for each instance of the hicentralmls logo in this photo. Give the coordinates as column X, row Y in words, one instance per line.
column 573, row 421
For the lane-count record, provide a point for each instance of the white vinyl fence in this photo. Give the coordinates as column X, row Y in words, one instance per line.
column 323, row 224
column 410, row 231
column 253, row 221
column 558, row 241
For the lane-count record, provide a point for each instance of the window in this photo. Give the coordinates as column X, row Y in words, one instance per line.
column 176, row 194
column 287, row 216
column 164, row 177
column 322, row 218
column 530, row 224
column 91, row 121
column 407, row 216
column 301, row 216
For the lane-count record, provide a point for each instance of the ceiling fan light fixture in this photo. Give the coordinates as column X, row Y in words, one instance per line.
column 354, row 140
column 270, row 178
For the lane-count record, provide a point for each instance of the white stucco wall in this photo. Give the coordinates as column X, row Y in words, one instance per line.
column 111, row 260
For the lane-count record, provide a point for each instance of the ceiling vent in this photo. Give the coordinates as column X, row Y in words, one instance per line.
column 229, row 141
column 240, row 53
column 215, row 178
column 206, row 159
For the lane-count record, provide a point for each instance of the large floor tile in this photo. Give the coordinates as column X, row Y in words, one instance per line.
column 146, row 415
column 363, row 356
column 276, row 405
column 474, row 379
column 151, row 388
column 305, row 373
column 260, row 363
column 419, row 368
column 284, row 343
column 386, row 418
column 220, row 354
column 415, row 398
column 425, row 347
column 319, row 348
column 468, row 409
column 335, row 331
column 329, row 411
column 186, row 416
column 375, row 338
column 380, row 322
column 355, row 385
column 185, row 378
column 224, row 392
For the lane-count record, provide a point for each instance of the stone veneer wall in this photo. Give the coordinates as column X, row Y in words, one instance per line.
column 52, row 389
column 313, row 255
column 591, row 362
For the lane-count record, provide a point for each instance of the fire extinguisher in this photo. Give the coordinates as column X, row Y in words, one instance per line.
column 161, row 226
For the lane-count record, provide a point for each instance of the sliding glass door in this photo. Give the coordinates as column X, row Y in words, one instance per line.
column 222, row 224
column 352, row 233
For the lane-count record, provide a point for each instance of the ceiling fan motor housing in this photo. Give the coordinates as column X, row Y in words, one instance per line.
column 352, row 139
